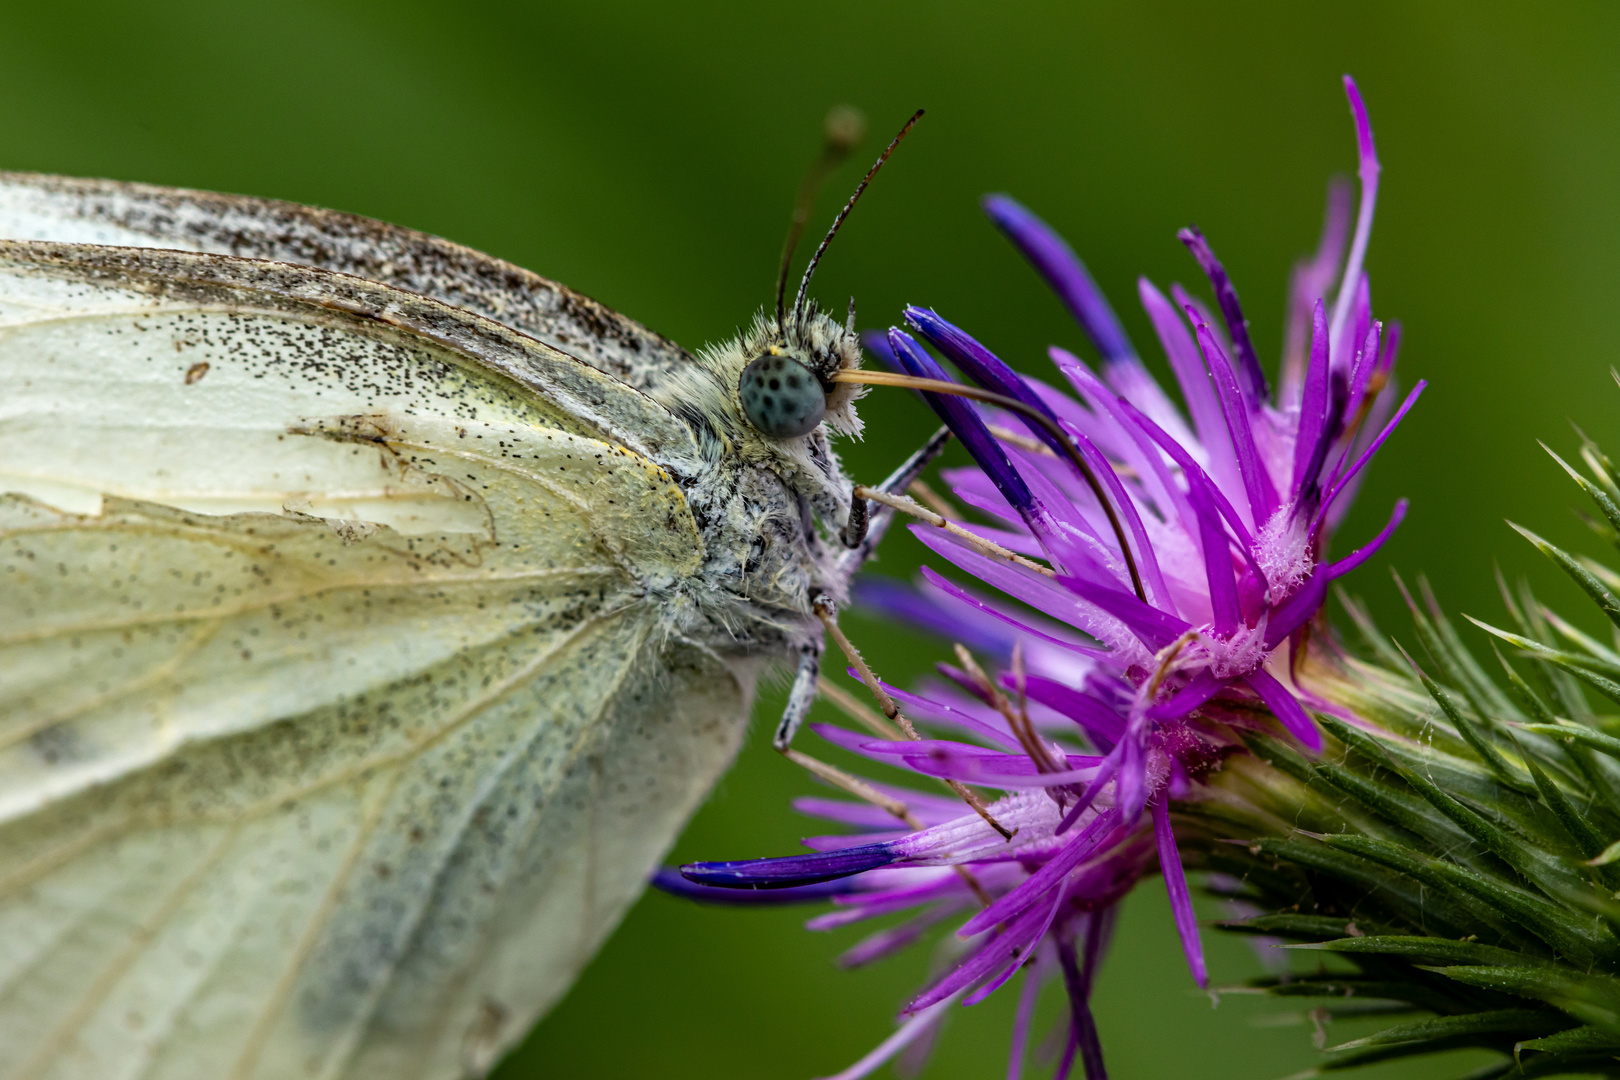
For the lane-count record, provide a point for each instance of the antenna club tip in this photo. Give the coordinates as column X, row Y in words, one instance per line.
column 844, row 128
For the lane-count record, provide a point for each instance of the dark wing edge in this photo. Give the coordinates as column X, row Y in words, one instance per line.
column 38, row 206
column 603, row 406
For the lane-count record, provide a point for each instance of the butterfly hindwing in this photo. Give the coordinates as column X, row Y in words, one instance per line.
column 339, row 724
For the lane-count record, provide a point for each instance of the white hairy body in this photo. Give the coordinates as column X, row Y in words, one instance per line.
column 364, row 640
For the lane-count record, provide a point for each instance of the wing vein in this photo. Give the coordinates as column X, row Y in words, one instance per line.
column 488, row 787
column 120, row 965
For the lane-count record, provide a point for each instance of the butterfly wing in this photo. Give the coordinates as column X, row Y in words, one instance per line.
column 341, row 718
column 34, row 206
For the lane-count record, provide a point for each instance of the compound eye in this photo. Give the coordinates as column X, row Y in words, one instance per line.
column 781, row 397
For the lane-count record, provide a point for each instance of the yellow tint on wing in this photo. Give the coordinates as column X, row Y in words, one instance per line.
column 339, row 716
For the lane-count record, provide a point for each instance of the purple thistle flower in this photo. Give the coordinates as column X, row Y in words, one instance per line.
column 1163, row 618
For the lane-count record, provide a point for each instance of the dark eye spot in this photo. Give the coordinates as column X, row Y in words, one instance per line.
column 775, row 411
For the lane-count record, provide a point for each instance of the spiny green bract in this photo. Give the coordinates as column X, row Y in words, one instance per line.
column 1458, row 852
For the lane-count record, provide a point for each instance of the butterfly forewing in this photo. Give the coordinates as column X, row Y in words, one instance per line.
column 337, row 723
column 39, row 207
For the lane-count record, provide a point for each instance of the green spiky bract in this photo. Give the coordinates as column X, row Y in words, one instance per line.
column 1452, row 857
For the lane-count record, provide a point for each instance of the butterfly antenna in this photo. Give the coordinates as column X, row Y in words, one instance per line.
column 843, row 130
column 810, row 270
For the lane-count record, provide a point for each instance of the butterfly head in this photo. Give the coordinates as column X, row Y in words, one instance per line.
column 785, row 391
column 786, row 388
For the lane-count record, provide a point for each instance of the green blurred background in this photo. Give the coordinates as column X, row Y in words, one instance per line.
column 646, row 153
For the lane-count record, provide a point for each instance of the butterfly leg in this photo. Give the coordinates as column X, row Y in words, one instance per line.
column 865, row 528
column 861, row 536
column 800, row 697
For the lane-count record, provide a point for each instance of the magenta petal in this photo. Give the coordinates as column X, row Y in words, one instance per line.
column 1153, row 627
column 1252, row 379
column 1198, row 690
column 1256, row 480
column 1083, row 1028
column 861, row 815
column 1028, row 893
column 1365, row 552
column 1017, row 961
column 1056, row 261
column 1297, row 610
column 1315, row 432
column 1175, row 881
column 1285, row 707
column 1309, row 285
column 1203, row 405
column 1018, row 935
column 1057, row 606
column 1101, row 723
column 1367, row 171
column 1366, row 455
column 964, row 422
column 1028, row 995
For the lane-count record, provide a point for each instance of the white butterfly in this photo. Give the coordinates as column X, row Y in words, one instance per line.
column 371, row 619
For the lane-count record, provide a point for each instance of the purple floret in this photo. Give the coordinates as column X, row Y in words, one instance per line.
column 1110, row 699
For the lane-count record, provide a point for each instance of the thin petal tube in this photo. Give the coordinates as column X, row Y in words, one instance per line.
column 940, row 712
column 864, row 905
column 910, row 1031
column 1056, row 261
column 1202, row 492
column 1103, row 725
column 1365, row 552
column 1029, row 892
column 1028, row 995
column 1154, row 628
column 1099, row 931
column 1308, row 285
column 1191, row 468
column 1143, row 455
column 1084, row 1034
column 1004, row 946
column 1256, row 481
column 1023, row 624
column 1251, row 378
column 1367, row 170
column 1285, row 707
column 1132, row 382
column 1203, row 405
column 1311, row 442
column 1366, row 455
column 1198, row 690
column 979, row 364
column 892, row 939
column 965, row 424
column 1019, row 957
column 1355, row 330
column 904, row 604
column 1072, row 613
column 1099, row 527
column 668, row 879
column 861, row 815
column 1109, row 769
column 789, row 870
column 1297, row 610
column 1175, row 882
column 876, row 342
column 1223, row 591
